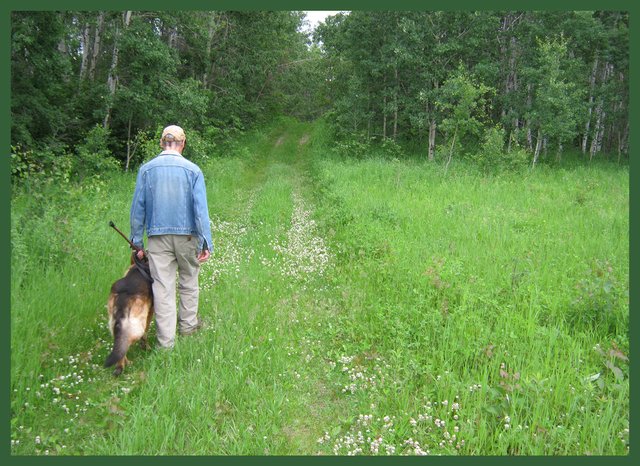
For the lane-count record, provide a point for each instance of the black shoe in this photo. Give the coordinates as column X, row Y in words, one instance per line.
column 192, row 330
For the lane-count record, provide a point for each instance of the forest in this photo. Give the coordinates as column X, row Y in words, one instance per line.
column 90, row 89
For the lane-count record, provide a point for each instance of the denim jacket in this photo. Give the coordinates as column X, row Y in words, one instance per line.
column 170, row 198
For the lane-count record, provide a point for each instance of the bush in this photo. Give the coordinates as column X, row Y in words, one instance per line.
column 492, row 156
column 198, row 148
column 391, row 149
column 29, row 167
column 352, row 148
column 601, row 302
column 93, row 156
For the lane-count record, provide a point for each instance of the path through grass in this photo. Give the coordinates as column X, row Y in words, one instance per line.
column 352, row 307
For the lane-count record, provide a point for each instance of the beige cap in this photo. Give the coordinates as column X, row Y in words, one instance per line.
column 173, row 133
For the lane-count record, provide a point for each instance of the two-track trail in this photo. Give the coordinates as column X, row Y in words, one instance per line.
column 265, row 295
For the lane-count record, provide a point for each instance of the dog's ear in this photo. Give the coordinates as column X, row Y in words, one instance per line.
column 133, row 257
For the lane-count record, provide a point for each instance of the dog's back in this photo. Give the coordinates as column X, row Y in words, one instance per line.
column 130, row 309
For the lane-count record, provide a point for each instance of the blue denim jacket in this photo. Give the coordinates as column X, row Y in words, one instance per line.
column 170, row 198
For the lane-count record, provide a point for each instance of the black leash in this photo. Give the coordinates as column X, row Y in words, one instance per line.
column 143, row 267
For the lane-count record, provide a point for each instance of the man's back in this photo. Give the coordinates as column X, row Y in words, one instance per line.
column 170, row 197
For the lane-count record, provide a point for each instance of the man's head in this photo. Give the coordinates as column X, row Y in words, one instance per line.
column 173, row 138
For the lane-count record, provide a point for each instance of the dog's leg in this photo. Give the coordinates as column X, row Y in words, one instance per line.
column 120, row 366
column 144, row 342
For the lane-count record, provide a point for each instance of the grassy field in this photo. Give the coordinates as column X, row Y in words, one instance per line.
column 372, row 307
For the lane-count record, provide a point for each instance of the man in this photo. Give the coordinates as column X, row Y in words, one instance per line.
column 170, row 202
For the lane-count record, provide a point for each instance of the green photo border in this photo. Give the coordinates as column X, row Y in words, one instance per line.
column 5, row 209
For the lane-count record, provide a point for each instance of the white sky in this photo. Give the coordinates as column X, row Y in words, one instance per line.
column 315, row 17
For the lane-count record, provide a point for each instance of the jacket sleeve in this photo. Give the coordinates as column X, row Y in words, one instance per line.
column 201, row 213
column 138, row 212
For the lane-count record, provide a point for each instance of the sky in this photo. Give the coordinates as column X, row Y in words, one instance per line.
column 315, row 17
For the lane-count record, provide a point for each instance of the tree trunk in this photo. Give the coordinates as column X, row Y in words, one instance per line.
column 597, row 132
column 395, row 106
column 432, row 139
column 84, row 45
column 211, row 32
column 592, row 84
column 384, row 117
column 529, row 137
column 369, row 122
column 625, row 139
column 129, row 155
column 96, row 46
column 453, row 142
column 112, row 80
column 537, row 151
column 559, row 153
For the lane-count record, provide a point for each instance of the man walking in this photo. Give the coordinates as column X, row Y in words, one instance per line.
column 170, row 202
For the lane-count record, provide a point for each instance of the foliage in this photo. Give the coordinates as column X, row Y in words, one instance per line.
column 492, row 156
column 93, row 156
column 35, row 167
column 462, row 102
column 601, row 301
column 210, row 71
column 552, row 74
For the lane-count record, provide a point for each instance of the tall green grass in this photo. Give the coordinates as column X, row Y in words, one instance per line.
column 352, row 306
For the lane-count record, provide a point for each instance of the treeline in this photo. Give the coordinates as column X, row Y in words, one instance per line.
column 99, row 85
column 538, row 79
column 91, row 90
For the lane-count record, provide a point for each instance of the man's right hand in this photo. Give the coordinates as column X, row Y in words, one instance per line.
column 204, row 255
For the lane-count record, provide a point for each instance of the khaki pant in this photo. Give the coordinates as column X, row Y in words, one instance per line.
column 169, row 254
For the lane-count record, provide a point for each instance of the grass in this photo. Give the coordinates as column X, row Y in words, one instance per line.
column 353, row 307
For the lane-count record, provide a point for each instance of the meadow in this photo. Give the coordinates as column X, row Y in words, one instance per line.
column 370, row 306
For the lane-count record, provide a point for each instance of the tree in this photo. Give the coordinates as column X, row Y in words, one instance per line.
column 462, row 101
column 557, row 102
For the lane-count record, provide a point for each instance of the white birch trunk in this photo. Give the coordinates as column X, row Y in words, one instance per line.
column 592, row 84
column 210, row 34
column 96, row 45
column 84, row 45
column 536, row 154
column 432, row 140
column 112, row 80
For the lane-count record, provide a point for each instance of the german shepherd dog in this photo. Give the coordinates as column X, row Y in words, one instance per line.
column 130, row 309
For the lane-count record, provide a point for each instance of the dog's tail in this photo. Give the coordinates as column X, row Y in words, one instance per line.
column 120, row 344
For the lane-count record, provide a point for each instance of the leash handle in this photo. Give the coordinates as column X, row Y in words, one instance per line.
column 133, row 246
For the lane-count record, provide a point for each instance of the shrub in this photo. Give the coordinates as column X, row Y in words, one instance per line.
column 198, row 148
column 492, row 156
column 391, row 149
column 93, row 156
column 29, row 167
column 352, row 148
column 601, row 302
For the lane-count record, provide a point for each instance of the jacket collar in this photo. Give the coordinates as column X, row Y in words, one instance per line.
column 170, row 152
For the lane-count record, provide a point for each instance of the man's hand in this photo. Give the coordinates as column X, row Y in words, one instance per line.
column 204, row 255
column 140, row 254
